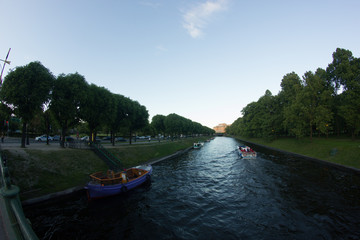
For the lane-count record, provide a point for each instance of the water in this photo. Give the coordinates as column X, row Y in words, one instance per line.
column 213, row 194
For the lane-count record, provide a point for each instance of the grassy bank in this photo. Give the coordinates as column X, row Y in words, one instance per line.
column 132, row 155
column 342, row 151
column 40, row 172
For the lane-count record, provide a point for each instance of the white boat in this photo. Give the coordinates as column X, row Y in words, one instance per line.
column 246, row 152
column 197, row 145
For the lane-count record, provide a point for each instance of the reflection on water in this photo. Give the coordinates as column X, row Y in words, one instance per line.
column 213, row 194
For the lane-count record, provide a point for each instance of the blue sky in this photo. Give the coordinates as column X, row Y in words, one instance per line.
column 203, row 60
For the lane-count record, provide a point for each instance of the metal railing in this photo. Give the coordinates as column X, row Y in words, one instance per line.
column 16, row 225
column 113, row 162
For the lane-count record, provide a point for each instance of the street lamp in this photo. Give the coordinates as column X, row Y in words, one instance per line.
column 5, row 62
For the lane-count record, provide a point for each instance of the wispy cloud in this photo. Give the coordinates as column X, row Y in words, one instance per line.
column 197, row 17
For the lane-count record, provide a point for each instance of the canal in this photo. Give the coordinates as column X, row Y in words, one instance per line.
column 213, row 194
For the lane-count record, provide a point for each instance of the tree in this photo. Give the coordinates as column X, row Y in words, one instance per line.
column 173, row 124
column 235, row 127
column 315, row 101
column 137, row 117
column 344, row 72
column 158, row 123
column 67, row 98
column 5, row 114
column 293, row 119
column 96, row 108
column 25, row 89
column 116, row 120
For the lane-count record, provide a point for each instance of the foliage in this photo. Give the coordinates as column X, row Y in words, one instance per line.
column 67, row 98
column 25, row 90
column 307, row 106
column 119, row 114
column 5, row 114
column 136, row 117
column 344, row 72
column 176, row 125
column 97, row 107
column 158, row 123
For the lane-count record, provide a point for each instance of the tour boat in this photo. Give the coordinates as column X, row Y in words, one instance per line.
column 246, row 152
column 111, row 183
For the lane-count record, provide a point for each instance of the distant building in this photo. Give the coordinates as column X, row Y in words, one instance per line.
column 220, row 128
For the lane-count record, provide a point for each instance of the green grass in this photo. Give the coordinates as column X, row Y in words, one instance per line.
column 40, row 172
column 132, row 155
column 342, row 151
column 44, row 171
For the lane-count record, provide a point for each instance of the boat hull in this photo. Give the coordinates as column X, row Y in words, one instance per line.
column 98, row 191
column 248, row 155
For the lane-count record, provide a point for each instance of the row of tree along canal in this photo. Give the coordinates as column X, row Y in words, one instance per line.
column 34, row 95
column 325, row 102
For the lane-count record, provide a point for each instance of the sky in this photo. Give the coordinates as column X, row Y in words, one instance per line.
column 203, row 60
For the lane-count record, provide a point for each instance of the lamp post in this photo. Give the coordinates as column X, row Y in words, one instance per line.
column 5, row 62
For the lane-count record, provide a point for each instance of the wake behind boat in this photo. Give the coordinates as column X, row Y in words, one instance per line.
column 111, row 183
column 246, row 152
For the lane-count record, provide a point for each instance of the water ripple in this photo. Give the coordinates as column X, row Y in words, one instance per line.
column 213, row 194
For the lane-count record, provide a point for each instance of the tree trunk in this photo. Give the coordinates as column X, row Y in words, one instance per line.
column 130, row 138
column 23, row 135
column 62, row 139
column 27, row 138
column 112, row 137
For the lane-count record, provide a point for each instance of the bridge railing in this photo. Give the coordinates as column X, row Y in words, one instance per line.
column 16, row 225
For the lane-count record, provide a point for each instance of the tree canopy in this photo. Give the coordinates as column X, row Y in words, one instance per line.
column 327, row 101
column 34, row 95
column 25, row 90
column 67, row 99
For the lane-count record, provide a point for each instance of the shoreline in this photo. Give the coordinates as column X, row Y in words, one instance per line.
column 68, row 191
column 75, row 189
column 320, row 161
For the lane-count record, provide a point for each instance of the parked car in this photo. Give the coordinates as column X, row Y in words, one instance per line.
column 85, row 139
column 107, row 138
column 120, row 139
column 42, row 138
column 56, row 138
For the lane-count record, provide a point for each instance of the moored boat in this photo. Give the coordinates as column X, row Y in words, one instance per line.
column 111, row 183
column 246, row 152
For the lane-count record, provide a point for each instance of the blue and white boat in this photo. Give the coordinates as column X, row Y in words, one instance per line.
column 108, row 184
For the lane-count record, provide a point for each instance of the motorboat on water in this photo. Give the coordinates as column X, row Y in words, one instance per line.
column 110, row 183
column 246, row 152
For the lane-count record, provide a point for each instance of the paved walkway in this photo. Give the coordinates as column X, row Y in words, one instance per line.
column 14, row 143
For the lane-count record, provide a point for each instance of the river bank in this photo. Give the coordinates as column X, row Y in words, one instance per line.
column 340, row 152
column 213, row 193
column 47, row 171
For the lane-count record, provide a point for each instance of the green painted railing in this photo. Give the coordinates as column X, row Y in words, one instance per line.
column 113, row 162
column 15, row 224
